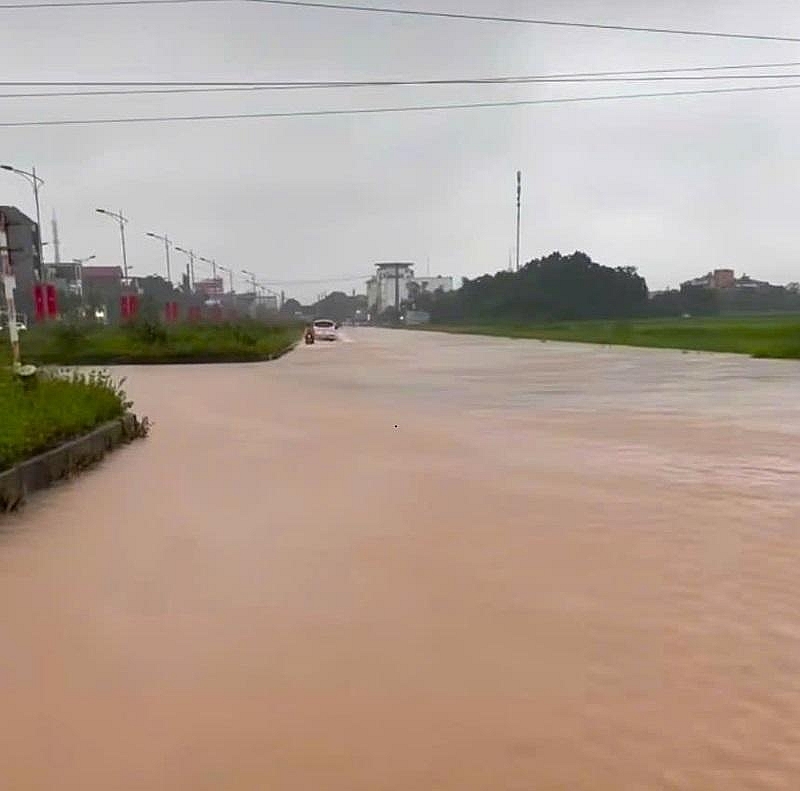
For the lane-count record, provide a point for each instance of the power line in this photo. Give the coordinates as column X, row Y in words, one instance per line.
column 409, row 83
column 98, row 3
column 339, row 279
column 379, row 82
column 21, row 6
column 386, row 110
column 351, row 83
column 520, row 20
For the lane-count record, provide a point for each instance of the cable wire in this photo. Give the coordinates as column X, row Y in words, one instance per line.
column 520, row 20
column 419, row 83
column 358, row 83
column 40, row 4
column 385, row 110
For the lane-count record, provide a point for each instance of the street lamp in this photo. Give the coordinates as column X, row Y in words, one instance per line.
column 230, row 275
column 190, row 253
column 167, row 243
column 252, row 277
column 213, row 264
column 78, row 272
column 36, row 182
column 121, row 220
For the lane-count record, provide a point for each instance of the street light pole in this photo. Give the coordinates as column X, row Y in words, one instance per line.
column 167, row 243
column 230, row 275
column 212, row 263
column 37, row 182
column 121, row 219
column 252, row 277
column 190, row 253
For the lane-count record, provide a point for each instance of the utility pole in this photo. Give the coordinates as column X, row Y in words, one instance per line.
column 9, row 284
column 190, row 269
column 252, row 277
column 121, row 219
column 167, row 243
column 519, row 201
column 56, row 248
column 397, row 292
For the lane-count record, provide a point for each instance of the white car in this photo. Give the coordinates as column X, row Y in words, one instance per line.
column 324, row 330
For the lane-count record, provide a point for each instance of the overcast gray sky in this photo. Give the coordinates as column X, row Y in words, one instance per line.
column 674, row 186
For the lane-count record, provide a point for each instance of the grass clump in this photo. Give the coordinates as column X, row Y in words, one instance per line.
column 146, row 342
column 764, row 336
column 56, row 407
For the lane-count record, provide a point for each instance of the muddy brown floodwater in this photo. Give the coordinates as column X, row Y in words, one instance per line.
column 416, row 561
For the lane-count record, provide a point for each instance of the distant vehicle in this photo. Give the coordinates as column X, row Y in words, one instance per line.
column 325, row 330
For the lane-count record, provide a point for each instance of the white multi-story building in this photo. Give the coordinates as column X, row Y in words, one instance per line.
column 391, row 285
column 431, row 284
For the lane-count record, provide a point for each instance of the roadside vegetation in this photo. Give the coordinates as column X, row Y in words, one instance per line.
column 53, row 408
column 152, row 343
column 776, row 336
column 572, row 298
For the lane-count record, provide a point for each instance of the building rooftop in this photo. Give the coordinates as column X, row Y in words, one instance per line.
column 102, row 272
column 15, row 217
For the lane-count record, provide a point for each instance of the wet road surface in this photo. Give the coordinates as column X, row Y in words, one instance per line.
column 418, row 561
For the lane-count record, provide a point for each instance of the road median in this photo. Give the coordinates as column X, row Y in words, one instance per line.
column 54, row 424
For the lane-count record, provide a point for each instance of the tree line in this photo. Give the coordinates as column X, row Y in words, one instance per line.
column 566, row 287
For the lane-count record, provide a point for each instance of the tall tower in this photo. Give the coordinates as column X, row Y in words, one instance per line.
column 519, row 201
column 56, row 248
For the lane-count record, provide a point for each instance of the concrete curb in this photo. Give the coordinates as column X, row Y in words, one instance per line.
column 42, row 471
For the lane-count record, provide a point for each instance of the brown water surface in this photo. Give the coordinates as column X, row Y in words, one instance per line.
column 413, row 561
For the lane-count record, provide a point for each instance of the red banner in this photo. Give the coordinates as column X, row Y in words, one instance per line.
column 195, row 313
column 171, row 312
column 52, row 301
column 39, row 301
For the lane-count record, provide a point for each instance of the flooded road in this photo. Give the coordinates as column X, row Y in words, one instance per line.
column 418, row 561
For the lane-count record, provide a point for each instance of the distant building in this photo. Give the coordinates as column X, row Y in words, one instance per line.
column 393, row 284
column 213, row 288
column 23, row 244
column 65, row 276
column 748, row 282
column 721, row 279
column 389, row 287
column 254, row 306
column 432, row 284
column 102, row 288
column 268, row 302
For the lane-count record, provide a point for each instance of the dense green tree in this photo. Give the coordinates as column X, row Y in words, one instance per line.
column 338, row 306
column 551, row 288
